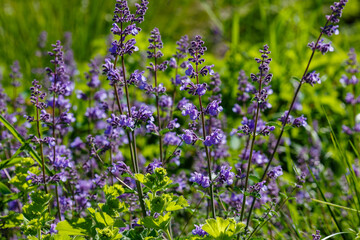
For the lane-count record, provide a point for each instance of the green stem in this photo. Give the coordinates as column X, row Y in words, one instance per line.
column 168, row 235
column 158, row 110
column 251, row 147
column 212, row 203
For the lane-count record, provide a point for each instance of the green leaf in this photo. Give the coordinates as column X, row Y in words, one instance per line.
column 160, row 223
column 25, row 145
column 177, row 205
column 140, row 177
column 223, row 229
column 9, row 162
column 296, row 78
column 4, row 189
column 65, row 228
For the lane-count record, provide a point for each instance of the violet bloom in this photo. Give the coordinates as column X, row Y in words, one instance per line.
column 257, row 187
column 214, row 108
column 316, row 236
column 173, row 124
column 198, row 231
column 171, row 138
column 275, row 172
column 216, row 137
column 312, row 78
column 121, row 121
column 225, row 176
column 152, row 166
column 189, row 137
column 200, row 179
column 300, row 121
column 165, row 101
column 191, row 110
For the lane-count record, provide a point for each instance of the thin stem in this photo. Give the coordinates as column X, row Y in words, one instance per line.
column 168, row 235
column 54, row 152
column 206, row 149
column 158, row 108
column 196, row 208
column 285, row 121
column 174, row 92
column 174, row 151
column 135, row 157
column 251, row 147
column 120, row 181
column 41, row 149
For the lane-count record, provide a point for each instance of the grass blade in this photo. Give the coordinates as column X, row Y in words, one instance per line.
column 25, row 145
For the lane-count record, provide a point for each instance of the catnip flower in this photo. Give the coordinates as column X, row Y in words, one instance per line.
column 198, row 231
column 312, row 78
column 275, row 172
column 214, row 108
column 225, row 176
column 216, row 137
column 191, row 110
column 189, row 137
column 200, row 179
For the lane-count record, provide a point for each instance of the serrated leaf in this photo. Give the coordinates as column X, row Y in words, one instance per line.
column 67, row 229
column 177, row 205
column 223, row 229
column 140, row 177
column 160, row 223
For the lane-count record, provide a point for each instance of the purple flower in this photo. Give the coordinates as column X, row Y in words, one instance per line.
column 336, row 11
column 300, row 121
column 121, row 121
column 173, row 124
column 143, row 114
column 200, row 179
column 207, row 70
column 120, row 168
column 77, row 143
column 171, row 138
column 321, row 46
column 312, row 78
column 216, row 137
column 214, row 108
column 330, row 30
column 198, row 231
column 283, row 118
column 275, row 172
column 190, row 71
column 191, row 110
column 197, row 50
column 151, row 167
column 189, row 137
column 225, row 176
column 257, row 187
column 165, row 101
column 316, row 236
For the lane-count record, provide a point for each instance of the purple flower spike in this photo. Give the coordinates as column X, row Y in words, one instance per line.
column 200, row 179
column 225, row 176
column 275, row 172
column 191, row 110
column 215, row 138
column 300, row 121
column 198, row 231
column 214, row 108
column 189, row 137
column 312, row 78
